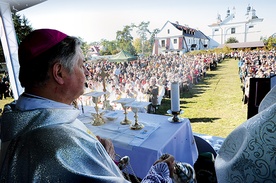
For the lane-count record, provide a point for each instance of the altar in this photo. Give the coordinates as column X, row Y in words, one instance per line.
column 146, row 145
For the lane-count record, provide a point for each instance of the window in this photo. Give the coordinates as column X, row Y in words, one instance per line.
column 174, row 41
column 163, row 43
column 168, row 31
column 233, row 30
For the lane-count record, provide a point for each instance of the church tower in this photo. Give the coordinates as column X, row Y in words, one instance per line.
column 244, row 29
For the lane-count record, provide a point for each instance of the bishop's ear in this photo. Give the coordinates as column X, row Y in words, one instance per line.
column 58, row 73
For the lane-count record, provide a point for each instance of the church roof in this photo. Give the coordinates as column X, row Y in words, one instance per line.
column 182, row 27
column 189, row 30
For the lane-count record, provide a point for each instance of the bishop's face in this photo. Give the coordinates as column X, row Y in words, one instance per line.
column 75, row 81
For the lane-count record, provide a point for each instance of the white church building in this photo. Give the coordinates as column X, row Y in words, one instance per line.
column 243, row 29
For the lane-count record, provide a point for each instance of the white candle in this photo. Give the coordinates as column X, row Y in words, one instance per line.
column 175, row 101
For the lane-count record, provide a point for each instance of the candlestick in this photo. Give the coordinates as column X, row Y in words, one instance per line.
column 175, row 101
column 175, row 115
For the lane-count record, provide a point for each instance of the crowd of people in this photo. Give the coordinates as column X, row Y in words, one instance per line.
column 5, row 89
column 136, row 79
column 147, row 78
column 255, row 64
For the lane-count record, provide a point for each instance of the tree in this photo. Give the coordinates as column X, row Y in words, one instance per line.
column 142, row 32
column 137, row 45
column 146, row 45
column 109, row 47
column 21, row 26
column 152, row 39
column 270, row 42
column 85, row 48
column 148, row 48
column 22, row 29
column 124, row 40
column 226, row 49
column 232, row 40
column 152, row 36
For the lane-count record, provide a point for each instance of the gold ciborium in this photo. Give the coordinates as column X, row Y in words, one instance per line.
column 123, row 102
column 135, row 106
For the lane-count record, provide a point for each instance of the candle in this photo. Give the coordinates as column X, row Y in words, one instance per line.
column 175, row 102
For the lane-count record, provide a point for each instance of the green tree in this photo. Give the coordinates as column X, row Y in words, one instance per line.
column 148, row 47
column 152, row 39
column 232, row 40
column 109, row 47
column 137, row 45
column 142, row 32
column 85, row 48
column 152, row 36
column 124, row 40
column 226, row 49
column 270, row 42
column 22, row 28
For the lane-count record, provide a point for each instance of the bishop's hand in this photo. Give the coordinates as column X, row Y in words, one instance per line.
column 108, row 145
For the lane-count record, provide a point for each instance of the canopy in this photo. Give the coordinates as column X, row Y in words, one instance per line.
column 122, row 56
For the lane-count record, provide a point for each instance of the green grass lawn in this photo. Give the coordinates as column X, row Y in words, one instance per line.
column 214, row 105
column 5, row 101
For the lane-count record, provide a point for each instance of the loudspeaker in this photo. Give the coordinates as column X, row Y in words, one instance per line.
column 258, row 88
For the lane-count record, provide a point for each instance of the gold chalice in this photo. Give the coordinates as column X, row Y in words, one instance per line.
column 135, row 106
column 98, row 116
column 123, row 102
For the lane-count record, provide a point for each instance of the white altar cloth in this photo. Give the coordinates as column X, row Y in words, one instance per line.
column 145, row 146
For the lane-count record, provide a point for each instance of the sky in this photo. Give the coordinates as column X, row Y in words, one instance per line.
column 94, row 20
